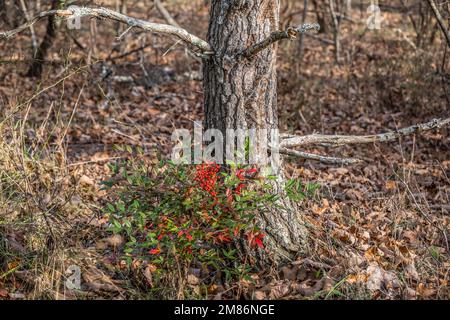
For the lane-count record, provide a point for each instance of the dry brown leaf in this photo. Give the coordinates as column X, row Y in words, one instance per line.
column 425, row 292
column 279, row 291
column 259, row 295
column 115, row 240
column 344, row 236
column 86, row 181
column 328, row 284
column 411, row 272
column 289, row 273
column 306, row 290
column 148, row 274
column 356, row 278
column 3, row 293
column 390, row 185
column 355, row 260
column 375, row 277
column 193, row 280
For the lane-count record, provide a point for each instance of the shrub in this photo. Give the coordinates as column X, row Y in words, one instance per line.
column 189, row 214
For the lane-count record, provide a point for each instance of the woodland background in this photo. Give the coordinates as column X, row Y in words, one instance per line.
column 378, row 229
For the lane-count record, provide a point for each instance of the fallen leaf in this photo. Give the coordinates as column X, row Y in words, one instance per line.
column 411, row 272
column 3, row 293
column 289, row 273
column 115, row 240
column 148, row 275
column 193, row 280
column 356, row 278
column 390, row 185
column 375, row 278
column 425, row 292
column 86, row 181
column 279, row 291
column 259, row 295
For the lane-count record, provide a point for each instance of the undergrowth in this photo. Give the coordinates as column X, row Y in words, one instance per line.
column 190, row 219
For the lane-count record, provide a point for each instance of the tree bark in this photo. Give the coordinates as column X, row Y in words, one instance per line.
column 241, row 93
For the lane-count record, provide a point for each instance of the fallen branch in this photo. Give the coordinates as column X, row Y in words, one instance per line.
column 339, row 140
column 316, row 157
column 78, row 12
column 289, row 33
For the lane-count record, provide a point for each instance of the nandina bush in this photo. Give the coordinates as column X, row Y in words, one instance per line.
column 189, row 215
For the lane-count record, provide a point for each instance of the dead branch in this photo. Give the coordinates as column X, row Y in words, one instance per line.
column 78, row 12
column 339, row 140
column 289, row 33
column 316, row 157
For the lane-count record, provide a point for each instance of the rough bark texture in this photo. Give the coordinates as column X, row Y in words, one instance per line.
column 241, row 93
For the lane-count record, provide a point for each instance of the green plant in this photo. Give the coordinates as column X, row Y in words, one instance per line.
column 298, row 191
column 186, row 214
column 181, row 216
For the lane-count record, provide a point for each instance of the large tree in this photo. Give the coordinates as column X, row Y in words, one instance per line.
column 241, row 93
column 240, row 82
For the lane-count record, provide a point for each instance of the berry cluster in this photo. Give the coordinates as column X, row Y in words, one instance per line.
column 206, row 176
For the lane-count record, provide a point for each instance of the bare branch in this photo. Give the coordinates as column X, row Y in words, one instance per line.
column 339, row 140
column 42, row 15
column 27, row 17
column 289, row 33
column 440, row 20
column 316, row 157
column 170, row 20
column 78, row 12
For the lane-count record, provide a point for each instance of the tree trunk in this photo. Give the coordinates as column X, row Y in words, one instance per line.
column 36, row 67
column 242, row 94
column 322, row 18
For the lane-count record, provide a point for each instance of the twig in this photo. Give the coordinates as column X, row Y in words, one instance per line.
column 170, row 20
column 289, row 33
column 167, row 16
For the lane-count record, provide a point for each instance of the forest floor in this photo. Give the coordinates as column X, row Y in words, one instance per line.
column 378, row 230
